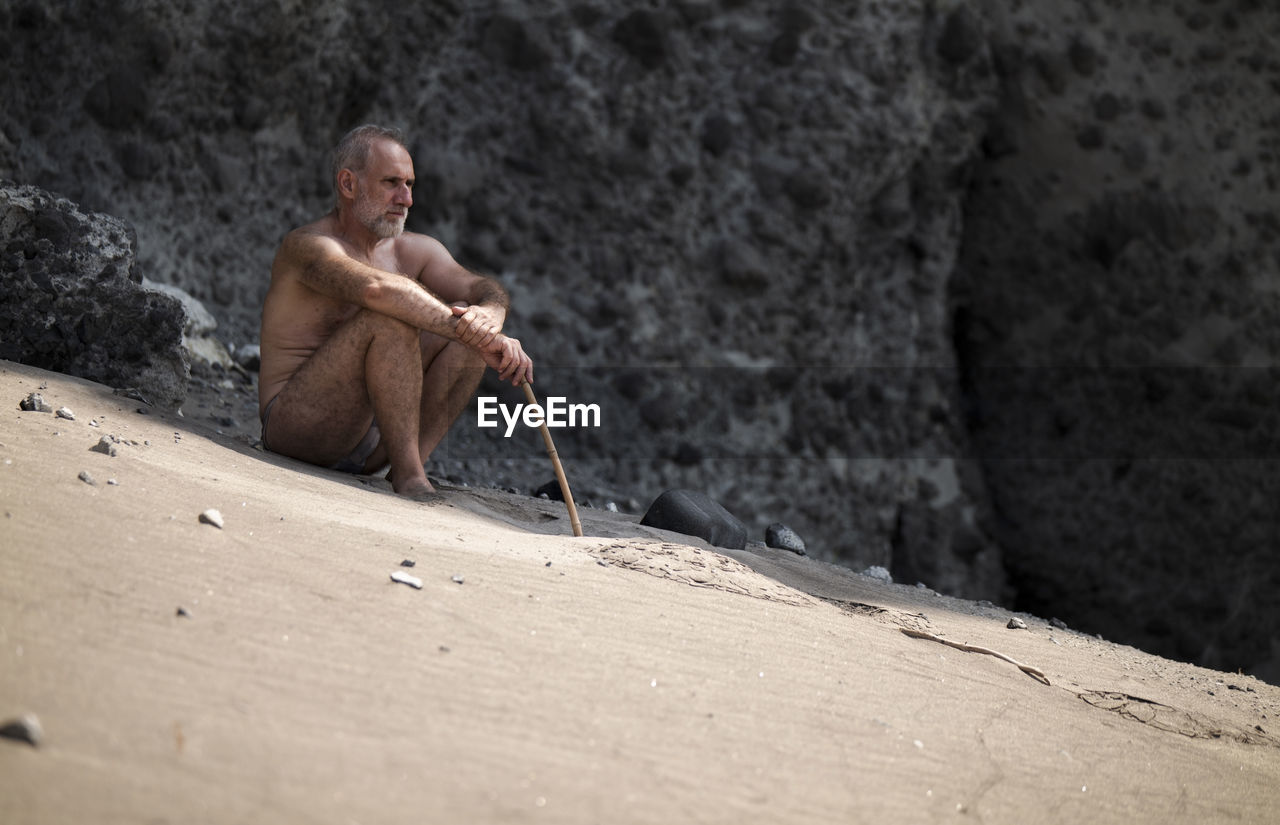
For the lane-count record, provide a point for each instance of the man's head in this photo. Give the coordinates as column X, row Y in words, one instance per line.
column 372, row 168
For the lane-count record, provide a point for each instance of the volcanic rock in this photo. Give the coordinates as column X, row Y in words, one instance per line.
column 784, row 538
column 694, row 513
column 73, row 304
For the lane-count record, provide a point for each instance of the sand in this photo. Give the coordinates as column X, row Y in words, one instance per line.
column 629, row 676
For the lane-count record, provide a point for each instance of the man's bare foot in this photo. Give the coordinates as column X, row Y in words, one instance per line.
column 417, row 490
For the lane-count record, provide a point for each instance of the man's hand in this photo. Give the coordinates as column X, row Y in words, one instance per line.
column 505, row 355
column 478, row 325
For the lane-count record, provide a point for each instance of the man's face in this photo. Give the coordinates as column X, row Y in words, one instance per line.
column 385, row 189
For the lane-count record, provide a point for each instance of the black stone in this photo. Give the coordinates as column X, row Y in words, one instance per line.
column 783, row 538
column 695, row 513
column 551, row 490
column 25, row 728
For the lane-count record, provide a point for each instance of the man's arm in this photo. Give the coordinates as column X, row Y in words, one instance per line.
column 322, row 264
column 487, row 302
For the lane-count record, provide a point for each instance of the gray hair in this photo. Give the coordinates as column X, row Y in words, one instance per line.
column 352, row 152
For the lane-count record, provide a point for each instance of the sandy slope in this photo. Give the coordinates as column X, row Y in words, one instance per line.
column 631, row 677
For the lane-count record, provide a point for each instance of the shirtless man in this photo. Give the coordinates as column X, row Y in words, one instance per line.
column 374, row 339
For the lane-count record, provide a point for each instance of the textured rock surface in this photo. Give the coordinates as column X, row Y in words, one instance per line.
column 1119, row 295
column 71, row 302
column 735, row 226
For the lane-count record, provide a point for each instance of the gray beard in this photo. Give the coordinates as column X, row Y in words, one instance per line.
column 377, row 222
column 385, row 227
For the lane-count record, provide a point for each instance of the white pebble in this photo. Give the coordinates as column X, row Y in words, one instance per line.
column 405, row 578
column 211, row 516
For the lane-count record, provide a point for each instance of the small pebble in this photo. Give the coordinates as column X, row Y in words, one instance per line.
column 25, row 728
column 878, row 572
column 86, row 478
column 182, row 611
column 408, row 563
column 112, row 482
column 34, row 403
column 458, row 580
column 213, row 517
column 63, row 412
column 783, row 537
column 106, row 446
column 405, row 578
column 1016, row 624
column 612, row 507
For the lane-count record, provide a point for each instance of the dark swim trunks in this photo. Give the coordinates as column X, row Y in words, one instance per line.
column 353, row 463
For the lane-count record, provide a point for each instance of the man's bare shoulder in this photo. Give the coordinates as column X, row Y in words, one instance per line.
column 325, row 227
column 319, row 235
column 421, row 255
column 421, row 246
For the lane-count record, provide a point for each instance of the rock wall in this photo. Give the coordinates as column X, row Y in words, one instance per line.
column 72, row 302
column 736, row 226
column 1118, row 299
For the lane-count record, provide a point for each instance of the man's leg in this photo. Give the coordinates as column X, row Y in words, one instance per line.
column 370, row 367
column 452, row 376
column 452, row 373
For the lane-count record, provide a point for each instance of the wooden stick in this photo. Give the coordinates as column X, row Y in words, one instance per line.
column 555, row 462
column 1034, row 672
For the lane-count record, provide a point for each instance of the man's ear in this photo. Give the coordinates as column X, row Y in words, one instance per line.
column 347, row 183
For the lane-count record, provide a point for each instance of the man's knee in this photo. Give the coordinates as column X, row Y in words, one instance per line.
column 391, row 330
